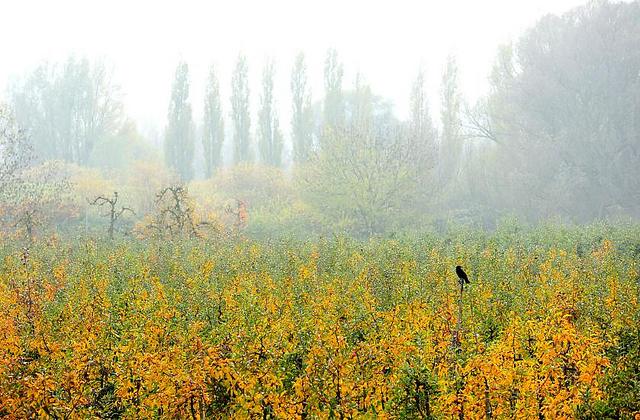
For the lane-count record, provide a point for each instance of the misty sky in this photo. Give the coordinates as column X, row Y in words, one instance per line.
column 385, row 40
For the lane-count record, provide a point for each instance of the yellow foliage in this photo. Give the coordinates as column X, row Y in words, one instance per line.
column 195, row 335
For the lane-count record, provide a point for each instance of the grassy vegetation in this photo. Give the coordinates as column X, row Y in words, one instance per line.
column 332, row 328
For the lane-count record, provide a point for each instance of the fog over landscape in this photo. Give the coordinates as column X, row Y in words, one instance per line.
column 143, row 41
column 320, row 209
column 364, row 118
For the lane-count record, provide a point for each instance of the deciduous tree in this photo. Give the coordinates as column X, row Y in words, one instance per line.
column 179, row 136
column 302, row 117
column 450, row 114
column 68, row 109
column 213, row 129
column 240, row 111
column 270, row 137
column 15, row 149
column 333, row 100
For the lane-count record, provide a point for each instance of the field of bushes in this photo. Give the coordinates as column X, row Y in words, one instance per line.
column 330, row 328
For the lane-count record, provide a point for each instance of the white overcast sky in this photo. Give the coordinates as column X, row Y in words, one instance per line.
column 386, row 41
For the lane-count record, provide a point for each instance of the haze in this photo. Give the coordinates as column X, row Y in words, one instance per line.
column 303, row 119
column 320, row 209
column 385, row 41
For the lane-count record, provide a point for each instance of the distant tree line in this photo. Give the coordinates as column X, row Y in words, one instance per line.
column 558, row 134
column 67, row 109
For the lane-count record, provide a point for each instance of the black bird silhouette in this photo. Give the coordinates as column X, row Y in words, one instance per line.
column 462, row 275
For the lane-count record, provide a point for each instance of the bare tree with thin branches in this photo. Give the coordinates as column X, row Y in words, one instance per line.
column 175, row 213
column 113, row 213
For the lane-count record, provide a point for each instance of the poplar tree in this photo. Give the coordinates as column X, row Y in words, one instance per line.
column 270, row 140
column 240, row 111
column 179, row 134
column 334, row 101
column 420, row 124
column 213, row 125
column 302, row 118
column 451, row 140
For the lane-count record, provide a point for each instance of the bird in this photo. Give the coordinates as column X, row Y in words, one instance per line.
column 462, row 275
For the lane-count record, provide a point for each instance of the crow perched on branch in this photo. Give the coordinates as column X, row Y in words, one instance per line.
column 462, row 276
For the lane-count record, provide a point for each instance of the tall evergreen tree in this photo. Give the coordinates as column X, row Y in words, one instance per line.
column 213, row 135
column 334, row 101
column 270, row 140
column 240, row 111
column 302, row 118
column 451, row 140
column 179, row 135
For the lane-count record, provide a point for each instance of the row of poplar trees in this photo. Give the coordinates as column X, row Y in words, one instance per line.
column 180, row 131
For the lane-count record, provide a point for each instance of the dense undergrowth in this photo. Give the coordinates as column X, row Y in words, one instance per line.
column 327, row 328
